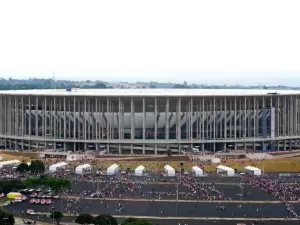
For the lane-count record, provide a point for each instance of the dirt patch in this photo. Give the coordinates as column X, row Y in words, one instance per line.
column 30, row 155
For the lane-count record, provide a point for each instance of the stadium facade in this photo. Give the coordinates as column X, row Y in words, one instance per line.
column 150, row 121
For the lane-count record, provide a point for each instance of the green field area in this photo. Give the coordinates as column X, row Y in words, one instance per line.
column 157, row 163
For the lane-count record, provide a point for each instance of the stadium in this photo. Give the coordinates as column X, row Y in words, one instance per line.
column 150, row 121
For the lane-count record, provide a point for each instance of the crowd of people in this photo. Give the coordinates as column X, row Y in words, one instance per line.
column 282, row 191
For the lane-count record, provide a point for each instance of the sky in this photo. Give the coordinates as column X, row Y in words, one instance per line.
column 216, row 42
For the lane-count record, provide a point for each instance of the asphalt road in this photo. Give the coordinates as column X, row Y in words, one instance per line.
column 184, row 221
column 230, row 191
column 168, row 209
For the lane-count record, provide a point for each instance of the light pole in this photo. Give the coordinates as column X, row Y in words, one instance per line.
column 52, row 210
column 177, row 189
column 108, row 220
column 5, row 219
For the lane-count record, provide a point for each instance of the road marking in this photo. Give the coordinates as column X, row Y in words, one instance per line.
column 173, row 200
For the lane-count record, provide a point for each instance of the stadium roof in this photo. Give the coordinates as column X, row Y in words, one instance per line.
column 150, row 92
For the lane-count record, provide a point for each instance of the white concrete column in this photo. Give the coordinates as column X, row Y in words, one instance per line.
column 120, row 120
column 155, row 118
column 74, row 125
column 132, row 119
column 245, row 119
column 191, row 118
column 225, row 118
column 65, row 119
column 1, row 115
column 108, row 132
column 167, row 119
column 235, row 117
column 144, row 123
column 214, row 121
column 17, row 121
column 29, row 119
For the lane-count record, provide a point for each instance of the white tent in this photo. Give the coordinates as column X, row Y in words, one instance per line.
column 83, row 169
column 197, row 171
column 215, row 160
column 10, row 163
column 112, row 169
column 55, row 167
column 170, row 172
column 139, row 171
column 224, row 169
column 253, row 170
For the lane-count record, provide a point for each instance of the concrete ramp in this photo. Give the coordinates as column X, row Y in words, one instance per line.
column 259, row 156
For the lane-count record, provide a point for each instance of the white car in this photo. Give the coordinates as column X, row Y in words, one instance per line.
column 30, row 212
column 6, row 203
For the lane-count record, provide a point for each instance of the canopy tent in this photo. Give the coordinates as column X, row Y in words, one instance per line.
column 55, row 167
column 215, row 160
column 197, row 171
column 112, row 170
column 255, row 171
column 139, row 171
column 227, row 170
column 10, row 163
column 170, row 172
column 83, row 169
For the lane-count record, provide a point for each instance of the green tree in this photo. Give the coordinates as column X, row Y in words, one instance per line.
column 32, row 182
column 6, row 218
column 7, row 186
column 22, row 168
column 37, row 166
column 135, row 221
column 138, row 222
column 84, row 219
column 57, row 216
column 57, row 184
column 105, row 220
column 129, row 220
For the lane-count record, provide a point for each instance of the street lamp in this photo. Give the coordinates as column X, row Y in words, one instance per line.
column 181, row 169
column 5, row 219
column 52, row 210
column 108, row 220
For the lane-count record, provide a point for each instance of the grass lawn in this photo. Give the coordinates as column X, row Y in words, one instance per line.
column 276, row 165
column 157, row 163
column 2, row 201
column 9, row 155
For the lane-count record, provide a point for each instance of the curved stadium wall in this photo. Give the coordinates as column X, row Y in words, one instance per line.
column 150, row 121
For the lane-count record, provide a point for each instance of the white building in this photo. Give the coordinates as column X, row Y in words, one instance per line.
column 112, row 170
column 10, row 163
column 83, row 169
column 170, row 172
column 56, row 167
column 197, row 171
column 225, row 170
column 255, row 171
column 139, row 171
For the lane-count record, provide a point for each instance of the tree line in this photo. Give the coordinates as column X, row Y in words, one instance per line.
column 108, row 220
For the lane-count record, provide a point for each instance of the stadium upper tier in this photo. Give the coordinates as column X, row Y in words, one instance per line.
column 151, row 92
column 150, row 120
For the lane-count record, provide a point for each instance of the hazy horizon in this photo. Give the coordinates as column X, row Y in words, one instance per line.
column 204, row 42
